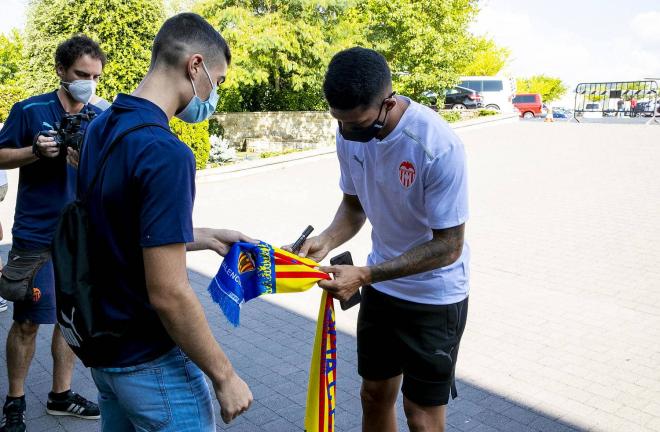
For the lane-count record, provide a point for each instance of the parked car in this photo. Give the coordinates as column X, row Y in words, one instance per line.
column 497, row 92
column 459, row 98
column 529, row 104
column 646, row 108
column 559, row 113
column 592, row 110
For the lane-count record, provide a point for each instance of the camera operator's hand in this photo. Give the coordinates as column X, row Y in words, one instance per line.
column 72, row 157
column 46, row 145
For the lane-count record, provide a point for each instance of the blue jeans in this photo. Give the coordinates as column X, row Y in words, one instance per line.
column 166, row 394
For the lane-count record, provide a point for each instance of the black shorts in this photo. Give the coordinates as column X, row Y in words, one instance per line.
column 417, row 340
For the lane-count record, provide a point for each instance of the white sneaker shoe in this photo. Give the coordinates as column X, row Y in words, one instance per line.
column 3, row 304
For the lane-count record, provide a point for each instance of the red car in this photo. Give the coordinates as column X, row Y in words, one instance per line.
column 529, row 104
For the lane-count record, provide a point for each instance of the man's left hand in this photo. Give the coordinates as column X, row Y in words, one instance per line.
column 218, row 240
column 347, row 280
column 72, row 157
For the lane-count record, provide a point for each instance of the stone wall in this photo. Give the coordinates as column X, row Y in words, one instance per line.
column 285, row 130
column 277, row 131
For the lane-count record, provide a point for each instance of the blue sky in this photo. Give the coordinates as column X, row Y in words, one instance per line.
column 576, row 40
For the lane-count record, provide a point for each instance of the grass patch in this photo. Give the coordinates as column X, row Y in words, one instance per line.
column 487, row 112
column 265, row 155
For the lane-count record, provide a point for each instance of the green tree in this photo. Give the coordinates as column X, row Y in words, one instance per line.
column 279, row 51
column 125, row 29
column 11, row 62
column 549, row 88
column 425, row 42
column 282, row 48
column 488, row 59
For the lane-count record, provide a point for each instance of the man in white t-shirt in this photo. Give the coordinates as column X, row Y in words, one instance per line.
column 403, row 168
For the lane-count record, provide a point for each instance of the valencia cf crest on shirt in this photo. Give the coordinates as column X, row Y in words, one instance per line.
column 407, row 174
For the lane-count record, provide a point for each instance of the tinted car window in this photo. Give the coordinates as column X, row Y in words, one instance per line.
column 493, row 86
column 473, row 85
column 524, row 99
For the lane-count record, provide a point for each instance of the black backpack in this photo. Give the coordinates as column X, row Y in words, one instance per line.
column 84, row 325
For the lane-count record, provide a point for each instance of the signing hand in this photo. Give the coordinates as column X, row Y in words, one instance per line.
column 314, row 248
column 218, row 240
column 347, row 280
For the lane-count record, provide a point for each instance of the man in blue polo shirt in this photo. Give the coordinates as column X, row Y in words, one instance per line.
column 403, row 168
column 46, row 185
column 151, row 376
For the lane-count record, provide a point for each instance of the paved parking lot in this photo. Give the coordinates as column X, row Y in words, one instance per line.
column 564, row 317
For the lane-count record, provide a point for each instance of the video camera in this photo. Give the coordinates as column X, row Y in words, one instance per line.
column 67, row 130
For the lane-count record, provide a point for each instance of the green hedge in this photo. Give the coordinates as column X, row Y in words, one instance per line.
column 487, row 112
column 11, row 93
column 196, row 136
column 451, row 116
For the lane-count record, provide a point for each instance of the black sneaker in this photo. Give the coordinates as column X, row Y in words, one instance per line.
column 13, row 418
column 74, row 405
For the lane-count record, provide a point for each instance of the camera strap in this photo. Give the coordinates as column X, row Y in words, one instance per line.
column 109, row 150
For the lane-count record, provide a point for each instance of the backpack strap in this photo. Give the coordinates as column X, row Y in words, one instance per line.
column 111, row 147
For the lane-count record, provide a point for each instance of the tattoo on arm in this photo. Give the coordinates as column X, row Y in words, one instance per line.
column 444, row 249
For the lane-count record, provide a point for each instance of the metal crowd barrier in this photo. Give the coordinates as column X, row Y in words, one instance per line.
column 617, row 99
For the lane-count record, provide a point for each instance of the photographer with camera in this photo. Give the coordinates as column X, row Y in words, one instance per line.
column 42, row 136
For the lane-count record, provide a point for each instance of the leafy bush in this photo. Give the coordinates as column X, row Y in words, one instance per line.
column 451, row 116
column 11, row 93
column 221, row 152
column 487, row 112
column 215, row 128
column 265, row 155
column 11, row 60
column 196, row 136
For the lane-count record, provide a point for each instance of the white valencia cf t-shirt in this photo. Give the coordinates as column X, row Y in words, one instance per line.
column 411, row 182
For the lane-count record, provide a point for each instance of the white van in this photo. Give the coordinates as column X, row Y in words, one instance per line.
column 592, row 110
column 497, row 91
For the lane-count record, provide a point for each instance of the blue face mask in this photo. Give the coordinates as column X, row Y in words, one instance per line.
column 197, row 110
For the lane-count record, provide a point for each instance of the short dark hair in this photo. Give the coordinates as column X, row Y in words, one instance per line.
column 75, row 47
column 356, row 77
column 185, row 33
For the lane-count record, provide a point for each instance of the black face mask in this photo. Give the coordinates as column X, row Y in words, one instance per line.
column 368, row 133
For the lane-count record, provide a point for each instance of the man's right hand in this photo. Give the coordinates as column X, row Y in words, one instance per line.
column 314, row 248
column 46, row 145
column 234, row 396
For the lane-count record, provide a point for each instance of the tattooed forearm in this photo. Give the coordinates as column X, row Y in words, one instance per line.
column 444, row 249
